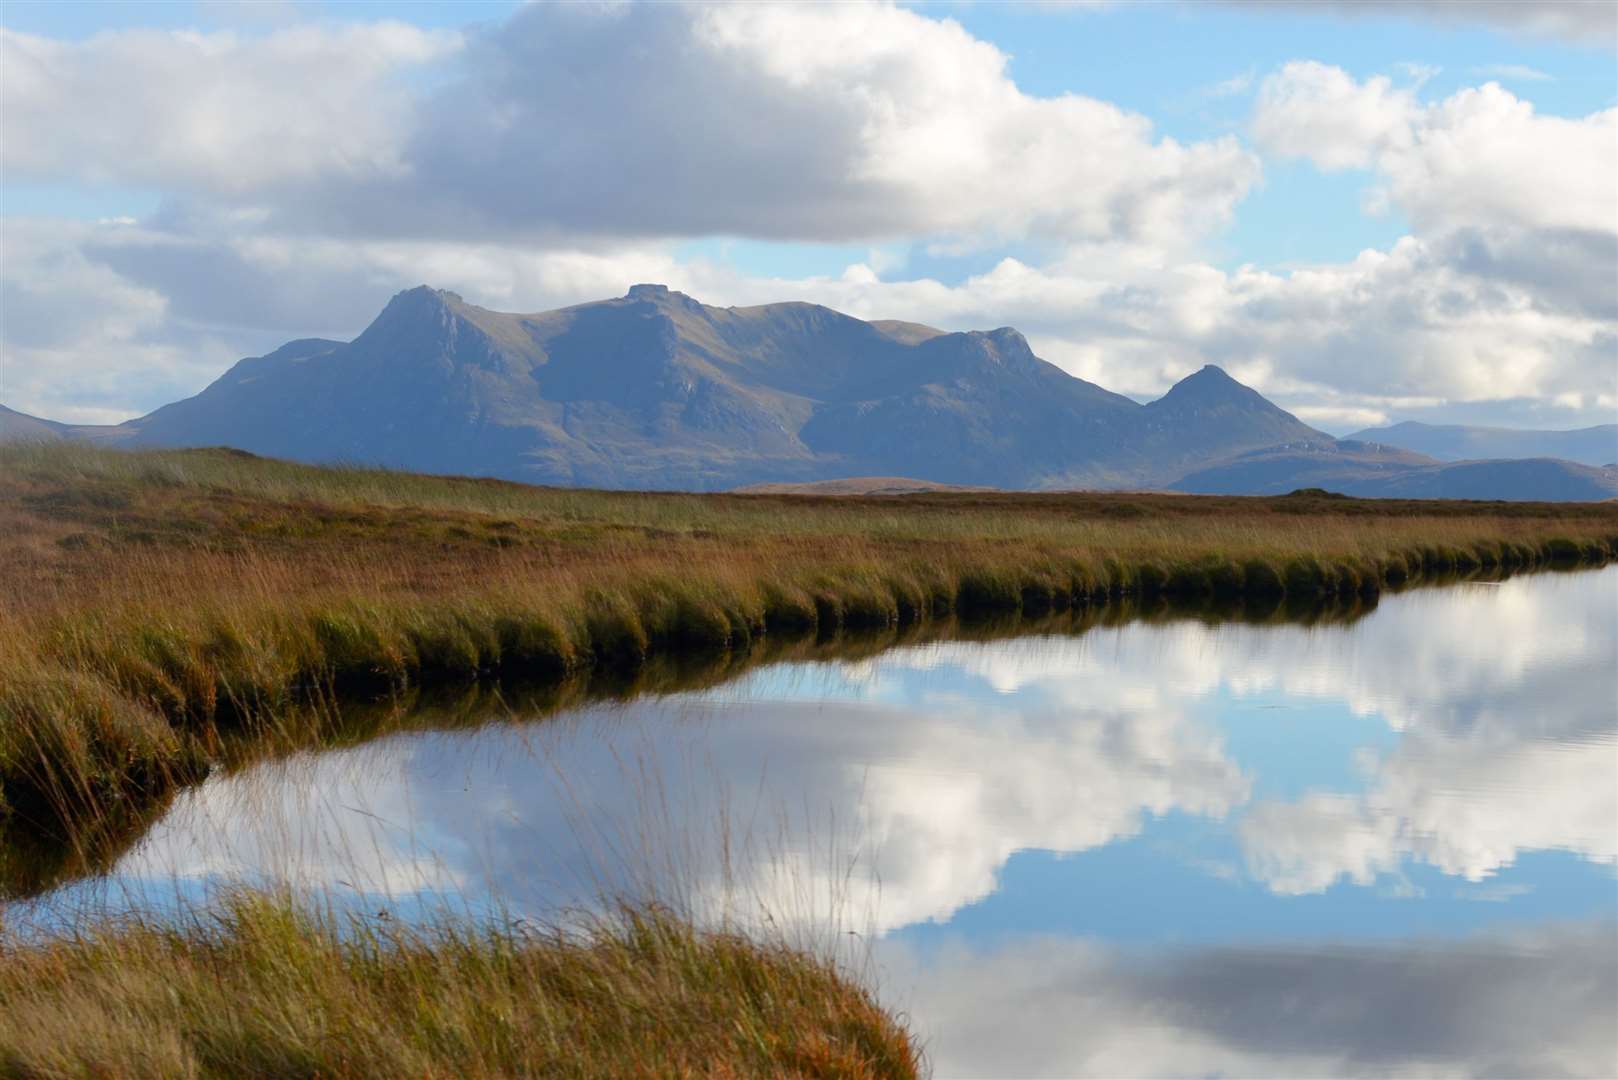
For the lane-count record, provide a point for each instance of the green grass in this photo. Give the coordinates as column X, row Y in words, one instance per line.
column 160, row 611
column 261, row 987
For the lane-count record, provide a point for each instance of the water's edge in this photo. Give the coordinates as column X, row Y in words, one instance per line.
column 38, row 854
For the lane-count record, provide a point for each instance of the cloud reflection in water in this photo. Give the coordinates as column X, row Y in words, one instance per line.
column 897, row 789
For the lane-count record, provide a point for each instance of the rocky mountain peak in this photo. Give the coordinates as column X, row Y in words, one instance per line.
column 416, row 316
column 1211, row 387
column 1004, row 347
column 1010, row 341
column 422, row 298
column 1210, row 380
column 662, row 297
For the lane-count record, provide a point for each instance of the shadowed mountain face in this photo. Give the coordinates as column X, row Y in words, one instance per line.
column 1454, row 442
column 1200, row 417
column 655, row 390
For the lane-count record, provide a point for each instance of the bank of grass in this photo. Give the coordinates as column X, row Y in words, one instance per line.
column 34, row 861
column 162, row 607
column 260, row 987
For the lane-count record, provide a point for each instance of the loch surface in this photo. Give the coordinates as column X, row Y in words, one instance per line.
column 1168, row 848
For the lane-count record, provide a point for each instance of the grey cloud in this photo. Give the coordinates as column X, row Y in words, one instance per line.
column 1568, row 271
column 567, row 121
column 1583, row 22
column 214, row 283
column 1532, row 1004
column 222, row 114
column 1491, row 1004
column 629, row 122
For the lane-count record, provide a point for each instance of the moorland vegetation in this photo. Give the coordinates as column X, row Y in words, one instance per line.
column 157, row 607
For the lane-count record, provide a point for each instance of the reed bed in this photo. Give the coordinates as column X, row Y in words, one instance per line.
column 158, row 609
column 258, row 985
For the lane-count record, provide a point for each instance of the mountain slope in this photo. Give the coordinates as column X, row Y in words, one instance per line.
column 16, row 425
column 1209, row 415
column 656, row 390
column 977, row 408
column 1454, row 442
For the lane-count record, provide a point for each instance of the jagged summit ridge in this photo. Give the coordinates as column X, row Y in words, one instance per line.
column 422, row 298
column 654, row 389
column 422, row 312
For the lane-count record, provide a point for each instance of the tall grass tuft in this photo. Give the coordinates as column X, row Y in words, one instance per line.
column 260, row 986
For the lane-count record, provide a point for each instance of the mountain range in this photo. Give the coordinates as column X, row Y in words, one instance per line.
column 655, row 390
column 1596, row 445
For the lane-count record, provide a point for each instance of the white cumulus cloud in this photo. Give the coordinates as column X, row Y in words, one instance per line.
column 310, row 171
column 221, row 113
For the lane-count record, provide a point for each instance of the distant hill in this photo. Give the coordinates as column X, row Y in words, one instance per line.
column 856, row 485
column 655, row 390
column 1454, row 442
column 1200, row 417
column 1373, row 470
column 16, row 425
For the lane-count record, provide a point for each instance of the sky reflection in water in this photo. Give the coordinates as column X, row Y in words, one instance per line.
column 1153, row 849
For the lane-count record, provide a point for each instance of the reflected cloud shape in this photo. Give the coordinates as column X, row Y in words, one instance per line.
column 899, row 816
column 899, row 787
column 1457, row 658
column 1505, row 697
column 889, row 797
column 1535, row 1004
column 1509, row 743
column 1466, row 806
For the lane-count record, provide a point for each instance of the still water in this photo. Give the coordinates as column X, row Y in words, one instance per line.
column 1155, row 849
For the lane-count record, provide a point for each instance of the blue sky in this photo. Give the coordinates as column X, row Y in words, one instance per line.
column 1369, row 215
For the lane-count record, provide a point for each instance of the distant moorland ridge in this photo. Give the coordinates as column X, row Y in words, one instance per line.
column 1596, row 445
column 655, row 390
